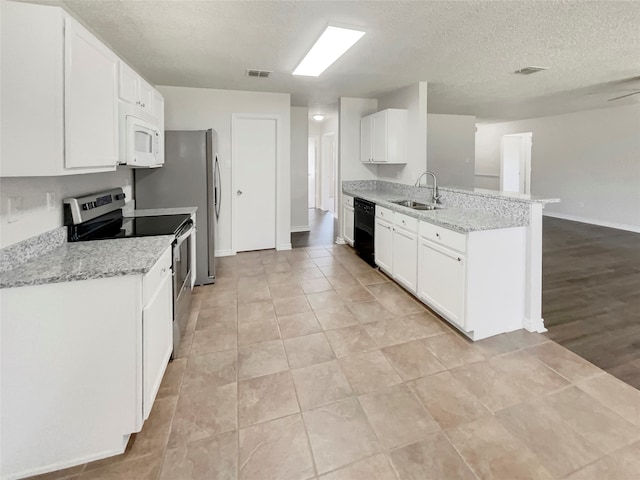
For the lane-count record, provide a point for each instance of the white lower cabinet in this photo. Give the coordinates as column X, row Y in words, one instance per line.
column 81, row 364
column 383, row 244
column 157, row 341
column 475, row 280
column 405, row 251
column 442, row 280
column 396, row 246
column 405, row 258
column 348, row 219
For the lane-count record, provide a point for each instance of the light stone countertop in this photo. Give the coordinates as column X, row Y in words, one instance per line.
column 462, row 220
column 89, row 260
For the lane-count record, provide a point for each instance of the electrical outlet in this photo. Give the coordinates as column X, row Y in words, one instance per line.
column 14, row 209
column 52, row 203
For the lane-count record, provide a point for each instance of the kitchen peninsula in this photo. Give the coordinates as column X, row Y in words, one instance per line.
column 476, row 259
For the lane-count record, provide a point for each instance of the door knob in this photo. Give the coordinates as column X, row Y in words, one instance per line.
column 239, row 192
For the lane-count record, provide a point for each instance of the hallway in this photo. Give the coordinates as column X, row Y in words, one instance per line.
column 324, row 229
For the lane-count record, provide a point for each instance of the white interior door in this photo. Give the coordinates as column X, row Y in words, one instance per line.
column 254, row 165
column 515, row 163
column 312, row 172
column 328, row 173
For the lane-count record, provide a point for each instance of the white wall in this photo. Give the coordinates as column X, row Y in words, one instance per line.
column 590, row 160
column 351, row 110
column 451, row 149
column 202, row 108
column 414, row 99
column 36, row 217
column 299, row 168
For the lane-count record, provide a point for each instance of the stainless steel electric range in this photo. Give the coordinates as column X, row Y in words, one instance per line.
column 98, row 216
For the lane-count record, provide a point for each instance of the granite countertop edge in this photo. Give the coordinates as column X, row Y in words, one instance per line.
column 97, row 259
column 461, row 220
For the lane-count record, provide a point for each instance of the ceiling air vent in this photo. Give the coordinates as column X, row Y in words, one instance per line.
column 530, row 70
column 252, row 72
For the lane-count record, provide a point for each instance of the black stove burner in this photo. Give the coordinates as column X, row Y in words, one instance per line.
column 114, row 225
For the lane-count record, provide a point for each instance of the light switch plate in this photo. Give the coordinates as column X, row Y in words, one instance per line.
column 52, row 203
column 14, row 209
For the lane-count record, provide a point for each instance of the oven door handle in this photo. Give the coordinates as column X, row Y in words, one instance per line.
column 184, row 236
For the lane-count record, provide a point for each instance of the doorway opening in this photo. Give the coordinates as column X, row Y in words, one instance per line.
column 312, row 172
column 515, row 162
column 323, row 203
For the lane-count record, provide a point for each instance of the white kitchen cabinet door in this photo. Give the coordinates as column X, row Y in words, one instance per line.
column 146, row 97
column 383, row 137
column 91, row 100
column 127, row 83
column 383, row 245
column 348, row 224
column 157, row 341
column 31, row 94
column 405, row 258
column 379, row 137
column 366, row 127
column 442, row 281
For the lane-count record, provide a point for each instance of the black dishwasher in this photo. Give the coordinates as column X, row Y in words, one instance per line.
column 364, row 228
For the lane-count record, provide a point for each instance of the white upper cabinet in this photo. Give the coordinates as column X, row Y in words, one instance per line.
column 134, row 90
column 128, row 82
column 59, row 95
column 91, row 107
column 383, row 137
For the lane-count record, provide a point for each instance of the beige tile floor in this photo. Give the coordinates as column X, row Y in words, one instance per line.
column 308, row 364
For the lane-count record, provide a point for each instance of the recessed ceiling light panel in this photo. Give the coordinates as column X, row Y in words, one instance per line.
column 331, row 45
column 530, row 70
column 318, row 117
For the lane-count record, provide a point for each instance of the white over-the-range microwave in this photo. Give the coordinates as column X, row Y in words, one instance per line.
column 141, row 138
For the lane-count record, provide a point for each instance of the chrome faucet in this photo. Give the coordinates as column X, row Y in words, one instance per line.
column 435, row 196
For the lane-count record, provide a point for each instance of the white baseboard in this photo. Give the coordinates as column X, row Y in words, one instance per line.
column 534, row 325
column 284, row 246
column 301, row 228
column 601, row 223
column 225, row 253
column 340, row 241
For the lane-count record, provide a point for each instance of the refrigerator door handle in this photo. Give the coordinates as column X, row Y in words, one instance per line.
column 217, row 187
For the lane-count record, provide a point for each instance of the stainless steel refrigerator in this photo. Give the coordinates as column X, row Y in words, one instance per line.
column 190, row 177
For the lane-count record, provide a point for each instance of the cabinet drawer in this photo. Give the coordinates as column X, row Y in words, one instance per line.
column 385, row 213
column 152, row 280
column 348, row 200
column 406, row 222
column 444, row 236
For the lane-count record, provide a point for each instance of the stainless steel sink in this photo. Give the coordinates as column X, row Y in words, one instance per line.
column 416, row 205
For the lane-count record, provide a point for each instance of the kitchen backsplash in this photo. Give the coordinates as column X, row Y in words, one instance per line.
column 36, row 213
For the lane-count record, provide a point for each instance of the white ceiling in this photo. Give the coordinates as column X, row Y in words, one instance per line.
column 465, row 50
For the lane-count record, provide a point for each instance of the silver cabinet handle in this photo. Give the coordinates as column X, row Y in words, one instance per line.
column 239, row 192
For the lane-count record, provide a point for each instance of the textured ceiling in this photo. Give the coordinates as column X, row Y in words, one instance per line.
column 465, row 50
